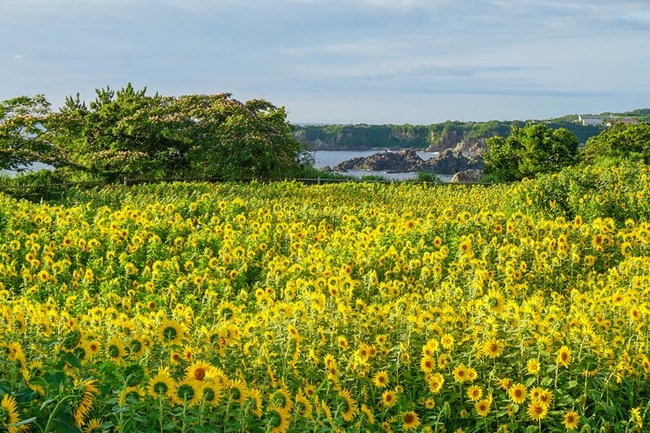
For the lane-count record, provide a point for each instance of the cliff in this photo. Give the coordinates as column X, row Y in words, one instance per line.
column 435, row 137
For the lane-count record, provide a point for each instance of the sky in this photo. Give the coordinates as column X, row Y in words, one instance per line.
column 340, row 61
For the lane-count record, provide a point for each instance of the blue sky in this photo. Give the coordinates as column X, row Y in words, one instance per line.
column 340, row 61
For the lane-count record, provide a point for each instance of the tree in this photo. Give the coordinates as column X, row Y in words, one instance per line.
column 621, row 141
column 128, row 132
column 22, row 132
column 527, row 151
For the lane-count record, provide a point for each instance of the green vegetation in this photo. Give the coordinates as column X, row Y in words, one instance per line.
column 618, row 143
column 129, row 133
column 527, row 151
column 436, row 136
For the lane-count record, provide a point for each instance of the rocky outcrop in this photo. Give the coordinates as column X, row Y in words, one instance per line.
column 407, row 160
column 467, row 176
column 404, row 160
column 451, row 162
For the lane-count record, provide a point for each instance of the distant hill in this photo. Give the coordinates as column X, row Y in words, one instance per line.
column 439, row 136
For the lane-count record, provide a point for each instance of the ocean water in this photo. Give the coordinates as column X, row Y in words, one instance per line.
column 331, row 158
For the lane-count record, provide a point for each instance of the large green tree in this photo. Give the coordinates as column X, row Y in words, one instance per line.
column 529, row 150
column 127, row 132
column 22, row 132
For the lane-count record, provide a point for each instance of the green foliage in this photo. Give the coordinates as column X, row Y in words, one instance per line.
column 618, row 192
column 21, row 131
column 129, row 133
column 434, row 136
column 427, row 176
column 621, row 141
column 528, row 151
column 364, row 136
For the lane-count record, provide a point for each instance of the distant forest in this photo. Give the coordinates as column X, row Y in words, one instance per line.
column 437, row 136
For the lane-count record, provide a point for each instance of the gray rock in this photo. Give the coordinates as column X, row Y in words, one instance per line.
column 404, row 160
column 452, row 161
column 467, row 176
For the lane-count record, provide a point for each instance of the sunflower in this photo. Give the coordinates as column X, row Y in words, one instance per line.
column 474, row 392
column 9, row 414
column 211, row 392
column 351, row 408
column 86, row 399
column 427, row 364
column 571, row 420
column 537, row 411
column 447, row 341
column 92, row 348
column 162, row 384
column 199, row 370
column 389, row 398
column 460, row 373
column 564, row 356
column 115, row 349
column 436, row 381
column 492, row 348
column 517, row 393
column 255, row 395
column 303, row 406
column 137, row 347
column 410, row 420
column 380, row 380
column 533, row 367
column 187, row 392
column 278, row 419
column 282, row 399
column 543, row 396
column 133, row 392
column 170, row 331
column 94, row 426
column 482, row 407
column 237, row 390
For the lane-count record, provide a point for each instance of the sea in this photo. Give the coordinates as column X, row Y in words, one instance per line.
column 331, row 158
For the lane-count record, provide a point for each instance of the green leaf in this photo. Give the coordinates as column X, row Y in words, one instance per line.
column 71, row 359
column 572, row 384
column 547, row 381
column 54, row 379
column 170, row 426
column 26, row 395
column 65, row 425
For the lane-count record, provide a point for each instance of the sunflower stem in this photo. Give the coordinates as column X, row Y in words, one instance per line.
column 54, row 411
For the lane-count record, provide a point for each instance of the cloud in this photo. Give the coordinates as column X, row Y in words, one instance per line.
column 568, row 48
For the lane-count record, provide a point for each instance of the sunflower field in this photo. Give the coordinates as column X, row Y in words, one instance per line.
column 349, row 307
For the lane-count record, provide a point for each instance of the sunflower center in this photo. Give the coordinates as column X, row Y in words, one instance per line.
column 170, row 333
column 113, row 351
column 209, row 394
column 199, row 373
column 186, row 392
column 160, row 388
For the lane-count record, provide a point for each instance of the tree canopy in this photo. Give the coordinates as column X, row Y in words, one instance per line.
column 527, row 151
column 128, row 132
column 621, row 141
column 22, row 132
